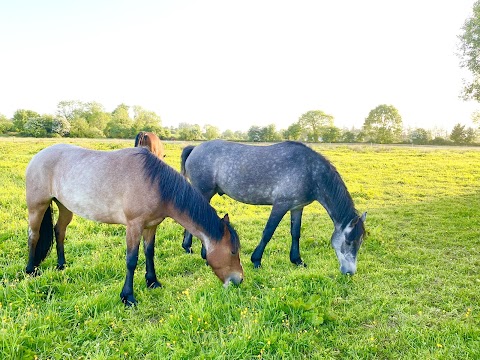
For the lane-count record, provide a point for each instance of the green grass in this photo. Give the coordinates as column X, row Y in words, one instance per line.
column 415, row 295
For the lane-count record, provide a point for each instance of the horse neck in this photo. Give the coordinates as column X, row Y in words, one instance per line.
column 198, row 218
column 335, row 198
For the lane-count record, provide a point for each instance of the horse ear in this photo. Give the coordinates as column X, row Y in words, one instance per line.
column 364, row 217
column 226, row 219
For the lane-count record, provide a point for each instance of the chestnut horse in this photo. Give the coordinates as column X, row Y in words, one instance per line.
column 150, row 141
column 130, row 187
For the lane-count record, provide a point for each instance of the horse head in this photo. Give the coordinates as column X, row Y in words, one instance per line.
column 346, row 242
column 224, row 256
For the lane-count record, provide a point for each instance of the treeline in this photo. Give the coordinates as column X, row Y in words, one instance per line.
column 383, row 125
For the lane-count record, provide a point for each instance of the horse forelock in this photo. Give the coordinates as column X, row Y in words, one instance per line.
column 173, row 188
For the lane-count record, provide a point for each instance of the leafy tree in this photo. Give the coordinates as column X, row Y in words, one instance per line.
column 313, row 122
column 419, row 136
column 383, row 125
column 120, row 125
column 240, row 135
column 211, row 132
column 293, row 132
column 71, row 109
column 470, row 53
column 189, row 132
column 255, row 134
column 60, row 126
column 331, row 134
column 269, row 133
column 228, row 135
column 6, row 125
column 349, row 136
column 39, row 126
column 21, row 117
column 147, row 121
column 461, row 135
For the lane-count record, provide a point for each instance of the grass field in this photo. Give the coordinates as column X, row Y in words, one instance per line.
column 416, row 294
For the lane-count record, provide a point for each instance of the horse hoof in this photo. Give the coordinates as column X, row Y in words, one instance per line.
column 34, row 272
column 129, row 301
column 153, row 284
column 61, row 267
column 257, row 265
column 188, row 250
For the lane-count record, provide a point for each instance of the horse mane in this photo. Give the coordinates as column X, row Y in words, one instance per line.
column 331, row 183
column 175, row 189
column 140, row 138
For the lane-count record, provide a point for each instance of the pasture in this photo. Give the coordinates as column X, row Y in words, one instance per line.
column 416, row 293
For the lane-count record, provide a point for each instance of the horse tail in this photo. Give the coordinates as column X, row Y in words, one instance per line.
column 45, row 241
column 185, row 153
column 140, row 138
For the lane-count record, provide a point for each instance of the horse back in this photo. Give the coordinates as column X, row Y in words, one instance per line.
column 97, row 185
column 254, row 174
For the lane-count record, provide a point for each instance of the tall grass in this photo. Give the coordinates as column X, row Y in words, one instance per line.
column 415, row 295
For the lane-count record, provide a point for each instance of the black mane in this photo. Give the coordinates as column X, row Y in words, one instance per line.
column 340, row 201
column 175, row 189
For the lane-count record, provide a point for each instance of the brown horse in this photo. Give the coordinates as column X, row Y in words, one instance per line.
column 130, row 187
column 150, row 141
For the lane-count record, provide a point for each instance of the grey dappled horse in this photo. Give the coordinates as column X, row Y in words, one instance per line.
column 287, row 175
column 131, row 187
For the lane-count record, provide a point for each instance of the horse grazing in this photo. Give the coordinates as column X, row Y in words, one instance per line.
column 287, row 175
column 150, row 141
column 130, row 187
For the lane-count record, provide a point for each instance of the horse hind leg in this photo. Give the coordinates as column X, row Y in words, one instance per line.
column 149, row 247
column 40, row 235
column 64, row 218
column 275, row 217
column 295, row 226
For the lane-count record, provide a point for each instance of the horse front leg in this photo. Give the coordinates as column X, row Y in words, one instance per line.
column 134, row 232
column 149, row 248
column 276, row 216
column 65, row 216
column 187, row 242
column 295, row 226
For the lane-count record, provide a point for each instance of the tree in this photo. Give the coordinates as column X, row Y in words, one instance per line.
column 383, row 125
column 419, row 136
column 39, row 126
column 293, row 132
column 255, row 134
column 313, row 122
column 21, row 117
column 331, row 134
column 6, row 125
column 121, row 125
column 211, row 132
column 189, row 132
column 470, row 53
column 461, row 135
column 147, row 121
column 269, row 133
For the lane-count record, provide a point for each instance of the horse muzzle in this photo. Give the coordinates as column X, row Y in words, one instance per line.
column 348, row 268
column 235, row 278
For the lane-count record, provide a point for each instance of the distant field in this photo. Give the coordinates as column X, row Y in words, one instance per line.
column 415, row 296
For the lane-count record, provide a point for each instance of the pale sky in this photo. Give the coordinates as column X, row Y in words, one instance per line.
column 234, row 64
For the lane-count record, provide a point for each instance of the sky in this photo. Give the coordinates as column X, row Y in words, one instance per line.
column 236, row 64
